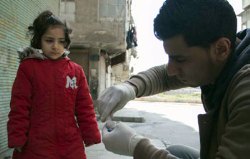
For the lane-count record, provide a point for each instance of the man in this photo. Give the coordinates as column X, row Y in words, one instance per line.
column 199, row 37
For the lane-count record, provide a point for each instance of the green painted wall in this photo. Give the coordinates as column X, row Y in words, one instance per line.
column 15, row 17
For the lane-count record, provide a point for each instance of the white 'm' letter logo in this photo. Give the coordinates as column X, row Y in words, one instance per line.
column 71, row 82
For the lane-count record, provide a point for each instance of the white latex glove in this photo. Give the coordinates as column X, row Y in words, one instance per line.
column 113, row 99
column 120, row 138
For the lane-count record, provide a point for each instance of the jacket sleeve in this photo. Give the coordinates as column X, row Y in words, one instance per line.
column 20, row 104
column 235, row 140
column 154, row 80
column 85, row 113
column 144, row 149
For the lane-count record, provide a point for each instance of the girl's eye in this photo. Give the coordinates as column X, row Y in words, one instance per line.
column 49, row 41
column 62, row 41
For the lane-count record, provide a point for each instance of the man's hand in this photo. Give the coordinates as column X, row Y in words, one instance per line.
column 120, row 138
column 113, row 99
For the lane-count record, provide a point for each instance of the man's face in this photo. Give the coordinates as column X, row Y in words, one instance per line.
column 195, row 66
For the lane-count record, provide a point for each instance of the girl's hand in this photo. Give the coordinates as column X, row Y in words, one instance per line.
column 18, row 149
column 87, row 145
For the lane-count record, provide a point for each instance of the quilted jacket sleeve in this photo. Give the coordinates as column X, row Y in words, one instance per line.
column 146, row 150
column 20, row 104
column 154, row 80
column 85, row 113
column 235, row 140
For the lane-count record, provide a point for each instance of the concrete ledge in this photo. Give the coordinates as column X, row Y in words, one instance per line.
column 127, row 115
column 129, row 119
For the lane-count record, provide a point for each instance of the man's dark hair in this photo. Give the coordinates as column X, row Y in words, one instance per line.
column 200, row 22
column 40, row 25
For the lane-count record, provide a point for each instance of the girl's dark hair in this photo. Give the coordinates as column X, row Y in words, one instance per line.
column 40, row 25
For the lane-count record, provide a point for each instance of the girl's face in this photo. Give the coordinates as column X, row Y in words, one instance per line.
column 53, row 42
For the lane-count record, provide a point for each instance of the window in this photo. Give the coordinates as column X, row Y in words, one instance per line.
column 112, row 9
column 67, row 10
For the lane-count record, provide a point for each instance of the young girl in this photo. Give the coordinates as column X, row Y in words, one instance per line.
column 52, row 113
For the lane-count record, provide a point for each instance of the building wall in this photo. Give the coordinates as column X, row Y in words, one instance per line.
column 119, row 75
column 102, row 75
column 245, row 15
column 15, row 16
column 99, row 25
column 245, row 3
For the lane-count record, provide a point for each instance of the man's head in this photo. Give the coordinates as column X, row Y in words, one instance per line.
column 200, row 22
column 198, row 37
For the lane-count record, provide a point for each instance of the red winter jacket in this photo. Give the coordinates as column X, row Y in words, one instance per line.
column 52, row 112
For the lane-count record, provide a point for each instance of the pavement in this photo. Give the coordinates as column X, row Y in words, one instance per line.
column 163, row 123
column 127, row 115
column 149, row 121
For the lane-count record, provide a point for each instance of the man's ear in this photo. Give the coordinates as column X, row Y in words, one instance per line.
column 222, row 48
